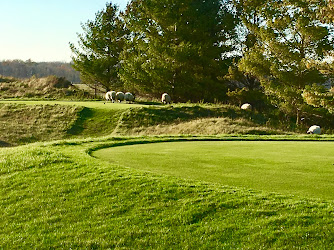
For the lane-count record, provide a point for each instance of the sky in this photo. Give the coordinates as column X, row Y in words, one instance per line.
column 41, row 30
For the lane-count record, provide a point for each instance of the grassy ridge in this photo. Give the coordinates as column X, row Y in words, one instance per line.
column 50, row 87
column 200, row 119
column 55, row 195
column 20, row 124
column 31, row 121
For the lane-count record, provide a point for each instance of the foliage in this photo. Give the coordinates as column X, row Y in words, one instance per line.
column 318, row 96
column 287, row 36
column 178, row 47
column 239, row 79
column 97, row 54
column 255, row 97
column 328, row 11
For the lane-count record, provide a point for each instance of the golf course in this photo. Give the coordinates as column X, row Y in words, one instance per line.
column 90, row 180
column 167, row 125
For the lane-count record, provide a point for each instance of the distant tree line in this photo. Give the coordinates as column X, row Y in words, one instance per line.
column 27, row 69
column 213, row 50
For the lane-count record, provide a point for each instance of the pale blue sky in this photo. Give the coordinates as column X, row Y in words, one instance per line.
column 41, row 30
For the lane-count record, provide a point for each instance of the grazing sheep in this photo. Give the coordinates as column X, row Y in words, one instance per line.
column 315, row 129
column 113, row 96
column 120, row 96
column 107, row 96
column 246, row 106
column 165, row 98
column 129, row 97
column 110, row 96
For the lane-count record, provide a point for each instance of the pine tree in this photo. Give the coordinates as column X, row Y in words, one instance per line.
column 178, row 47
column 328, row 11
column 97, row 54
column 287, row 36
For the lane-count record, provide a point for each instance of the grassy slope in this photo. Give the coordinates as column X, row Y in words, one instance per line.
column 20, row 124
column 296, row 168
column 201, row 119
column 30, row 121
column 99, row 118
column 56, row 196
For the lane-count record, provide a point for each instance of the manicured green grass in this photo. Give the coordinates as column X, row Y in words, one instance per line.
column 54, row 195
column 87, row 104
column 298, row 168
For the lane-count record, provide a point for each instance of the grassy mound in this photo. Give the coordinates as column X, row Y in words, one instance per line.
column 97, row 118
column 20, row 124
column 50, row 87
column 56, row 196
column 31, row 121
column 200, row 119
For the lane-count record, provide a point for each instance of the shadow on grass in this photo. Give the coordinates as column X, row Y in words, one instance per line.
column 78, row 127
column 149, row 116
column 4, row 144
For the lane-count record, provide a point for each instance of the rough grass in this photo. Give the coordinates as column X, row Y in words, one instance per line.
column 100, row 105
column 207, row 126
column 50, row 87
column 56, row 196
column 201, row 119
column 95, row 122
column 20, row 124
column 97, row 118
column 31, row 121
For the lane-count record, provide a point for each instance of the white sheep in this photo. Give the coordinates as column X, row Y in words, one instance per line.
column 165, row 98
column 246, row 106
column 120, row 96
column 110, row 96
column 107, row 96
column 315, row 129
column 129, row 97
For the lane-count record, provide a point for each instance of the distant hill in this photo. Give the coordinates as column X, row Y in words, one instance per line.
column 27, row 69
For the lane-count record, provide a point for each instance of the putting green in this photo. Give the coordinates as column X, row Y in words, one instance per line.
column 304, row 169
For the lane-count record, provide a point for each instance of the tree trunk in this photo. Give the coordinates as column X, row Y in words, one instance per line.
column 298, row 117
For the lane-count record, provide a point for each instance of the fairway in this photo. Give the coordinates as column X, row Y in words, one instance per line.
column 303, row 169
column 87, row 104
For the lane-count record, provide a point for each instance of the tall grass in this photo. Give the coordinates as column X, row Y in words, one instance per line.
column 20, row 124
column 50, row 87
column 99, row 118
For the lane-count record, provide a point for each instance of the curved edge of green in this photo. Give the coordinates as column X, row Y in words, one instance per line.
column 124, row 141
